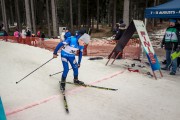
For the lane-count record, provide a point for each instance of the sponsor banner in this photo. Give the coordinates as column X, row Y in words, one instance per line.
column 172, row 13
column 140, row 27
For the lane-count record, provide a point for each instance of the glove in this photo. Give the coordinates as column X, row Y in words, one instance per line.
column 78, row 65
column 55, row 55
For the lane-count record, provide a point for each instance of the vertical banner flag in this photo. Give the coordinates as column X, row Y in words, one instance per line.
column 140, row 27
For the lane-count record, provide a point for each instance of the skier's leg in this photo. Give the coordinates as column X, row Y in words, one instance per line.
column 74, row 65
column 65, row 72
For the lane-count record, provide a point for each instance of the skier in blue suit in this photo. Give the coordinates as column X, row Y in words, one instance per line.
column 69, row 48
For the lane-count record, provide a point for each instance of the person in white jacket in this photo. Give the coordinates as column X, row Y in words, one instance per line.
column 23, row 35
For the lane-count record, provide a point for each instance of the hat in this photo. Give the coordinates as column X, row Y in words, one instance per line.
column 172, row 20
column 85, row 37
column 82, row 31
column 123, row 25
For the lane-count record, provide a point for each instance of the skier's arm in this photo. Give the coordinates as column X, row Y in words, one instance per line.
column 80, row 55
column 58, row 47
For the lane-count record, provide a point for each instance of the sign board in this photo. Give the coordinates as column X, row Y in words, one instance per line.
column 137, row 25
column 140, row 27
column 61, row 29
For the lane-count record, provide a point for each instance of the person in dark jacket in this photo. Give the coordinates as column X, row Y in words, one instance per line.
column 120, row 28
column 5, row 35
column 42, row 40
column 171, row 42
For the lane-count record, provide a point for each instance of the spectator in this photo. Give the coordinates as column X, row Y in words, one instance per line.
column 38, row 33
column 28, row 36
column 28, row 33
column 2, row 27
column 23, row 35
column 16, row 35
column 171, row 41
column 178, row 27
column 120, row 28
column 33, row 40
column 5, row 35
column 42, row 40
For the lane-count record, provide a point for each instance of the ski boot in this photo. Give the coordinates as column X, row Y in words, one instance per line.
column 62, row 84
column 76, row 81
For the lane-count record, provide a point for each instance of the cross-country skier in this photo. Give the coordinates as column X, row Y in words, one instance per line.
column 69, row 48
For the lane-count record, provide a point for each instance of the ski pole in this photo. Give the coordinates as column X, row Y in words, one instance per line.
column 33, row 71
column 57, row 73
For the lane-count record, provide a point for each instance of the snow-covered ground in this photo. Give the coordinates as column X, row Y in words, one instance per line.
column 38, row 97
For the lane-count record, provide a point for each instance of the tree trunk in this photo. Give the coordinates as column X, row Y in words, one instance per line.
column 154, row 21
column 146, row 3
column 33, row 17
column 114, row 15
column 126, row 12
column 71, row 14
column 79, row 14
column 54, row 18
column 48, row 23
column 131, row 11
column 4, row 16
column 18, row 14
column 11, row 13
column 92, row 22
column 57, row 18
column 97, row 14
column 157, row 2
column 28, row 16
column 87, row 13
column 109, row 13
column 66, row 14
column 135, row 12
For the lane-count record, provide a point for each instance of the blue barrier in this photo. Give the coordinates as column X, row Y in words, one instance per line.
column 2, row 113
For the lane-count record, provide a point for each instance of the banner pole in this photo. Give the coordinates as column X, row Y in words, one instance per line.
column 116, row 57
column 110, row 57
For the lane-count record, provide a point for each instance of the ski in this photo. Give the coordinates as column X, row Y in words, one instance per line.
column 87, row 85
column 65, row 101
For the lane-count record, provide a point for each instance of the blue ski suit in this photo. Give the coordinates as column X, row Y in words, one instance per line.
column 69, row 48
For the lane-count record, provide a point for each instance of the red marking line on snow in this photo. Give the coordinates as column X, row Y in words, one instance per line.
column 97, row 81
column 55, row 96
column 30, row 105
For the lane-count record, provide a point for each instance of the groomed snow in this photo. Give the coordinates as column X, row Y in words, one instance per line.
column 38, row 97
